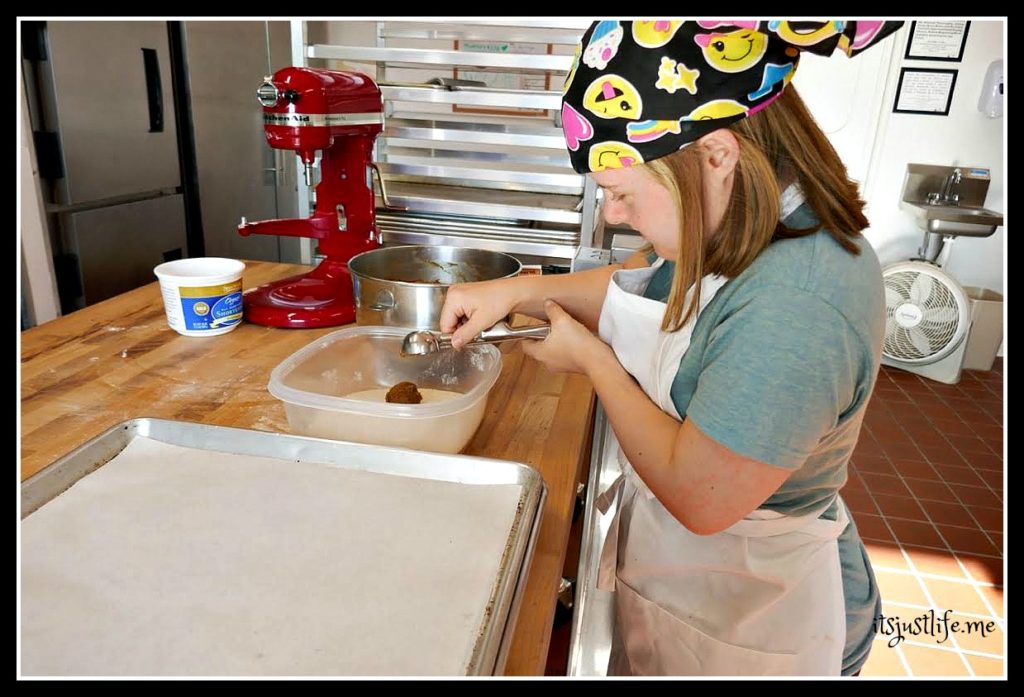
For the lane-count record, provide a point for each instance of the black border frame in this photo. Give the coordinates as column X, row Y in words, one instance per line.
column 959, row 56
column 949, row 98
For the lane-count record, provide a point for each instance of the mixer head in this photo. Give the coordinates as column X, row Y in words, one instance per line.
column 305, row 109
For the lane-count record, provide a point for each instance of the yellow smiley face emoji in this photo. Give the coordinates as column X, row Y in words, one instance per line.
column 801, row 36
column 613, row 97
column 613, row 155
column 716, row 109
column 654, row 34
column 733, row 52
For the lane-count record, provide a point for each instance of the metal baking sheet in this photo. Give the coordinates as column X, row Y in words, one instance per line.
column 493, row 636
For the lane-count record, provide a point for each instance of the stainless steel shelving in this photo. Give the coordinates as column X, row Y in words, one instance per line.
column 470, row 164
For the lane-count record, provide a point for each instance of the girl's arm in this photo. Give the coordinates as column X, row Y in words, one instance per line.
column 706, row 486
column 703, row 484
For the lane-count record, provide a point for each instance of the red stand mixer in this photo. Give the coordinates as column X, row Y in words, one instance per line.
column 340, row 114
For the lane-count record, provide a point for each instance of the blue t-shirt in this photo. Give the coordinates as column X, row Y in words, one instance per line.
column 780, row 368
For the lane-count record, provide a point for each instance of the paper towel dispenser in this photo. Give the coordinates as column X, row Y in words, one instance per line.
column 990, row 102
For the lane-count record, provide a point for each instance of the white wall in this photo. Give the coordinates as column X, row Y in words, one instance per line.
column 964, row 137
column 853, row 99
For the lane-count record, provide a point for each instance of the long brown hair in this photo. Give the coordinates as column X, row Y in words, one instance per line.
column 781, row 140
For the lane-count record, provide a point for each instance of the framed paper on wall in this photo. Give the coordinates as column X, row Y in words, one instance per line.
column 504, row 80
column 925, row 91
column 937, row 41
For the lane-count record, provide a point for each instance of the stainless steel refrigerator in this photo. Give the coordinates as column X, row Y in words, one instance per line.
column 150, row 143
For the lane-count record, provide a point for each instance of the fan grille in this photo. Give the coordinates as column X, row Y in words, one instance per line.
column 939, row 315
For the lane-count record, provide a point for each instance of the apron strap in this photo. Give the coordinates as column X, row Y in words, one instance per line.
column 811, row 522
column 609, row 560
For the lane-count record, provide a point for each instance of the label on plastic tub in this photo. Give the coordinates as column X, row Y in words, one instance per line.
column 211, row 307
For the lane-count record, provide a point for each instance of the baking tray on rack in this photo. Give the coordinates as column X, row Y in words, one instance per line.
column 462, row 477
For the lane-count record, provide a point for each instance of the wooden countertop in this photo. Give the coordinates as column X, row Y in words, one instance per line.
column 118, row 360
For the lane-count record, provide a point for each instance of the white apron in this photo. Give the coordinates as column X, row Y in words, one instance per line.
column 763, row 597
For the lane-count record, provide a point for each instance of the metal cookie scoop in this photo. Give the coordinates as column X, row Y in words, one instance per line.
column 422, row 342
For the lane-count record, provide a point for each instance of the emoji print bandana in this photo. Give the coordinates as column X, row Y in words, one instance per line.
column 638, row 91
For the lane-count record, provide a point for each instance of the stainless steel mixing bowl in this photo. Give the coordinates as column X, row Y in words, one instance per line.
column 406, row 286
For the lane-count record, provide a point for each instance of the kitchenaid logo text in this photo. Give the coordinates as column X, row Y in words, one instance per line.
column 931, row 625
column 288, row 119
column 366, row 119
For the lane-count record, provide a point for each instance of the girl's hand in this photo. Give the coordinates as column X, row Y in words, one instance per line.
column 569, row 348
column 470, row 308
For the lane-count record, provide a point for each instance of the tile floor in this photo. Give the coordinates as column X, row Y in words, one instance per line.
column 926, row 491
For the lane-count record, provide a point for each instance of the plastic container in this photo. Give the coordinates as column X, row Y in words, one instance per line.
column 313, row 383
column 202, row 296
column 986, row 328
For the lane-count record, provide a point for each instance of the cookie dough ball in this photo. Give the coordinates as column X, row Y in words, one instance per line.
column 404, row 393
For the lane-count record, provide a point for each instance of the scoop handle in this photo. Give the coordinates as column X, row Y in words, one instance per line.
column 502, row 332
column 498, row 333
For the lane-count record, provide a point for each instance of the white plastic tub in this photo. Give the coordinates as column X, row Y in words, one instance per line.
column 203, row 295
column 313, row 383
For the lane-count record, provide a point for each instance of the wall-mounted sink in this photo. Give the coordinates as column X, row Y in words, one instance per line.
column 944, row 219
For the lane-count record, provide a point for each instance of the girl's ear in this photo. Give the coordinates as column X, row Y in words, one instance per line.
column 721, row 152
column 719, row 156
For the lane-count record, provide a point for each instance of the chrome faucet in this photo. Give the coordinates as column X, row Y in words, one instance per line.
column 952, row 180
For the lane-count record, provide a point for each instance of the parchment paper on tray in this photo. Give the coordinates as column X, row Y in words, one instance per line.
column 180, row 561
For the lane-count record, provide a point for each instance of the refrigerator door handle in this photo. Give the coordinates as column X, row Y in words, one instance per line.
column 154, row 91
